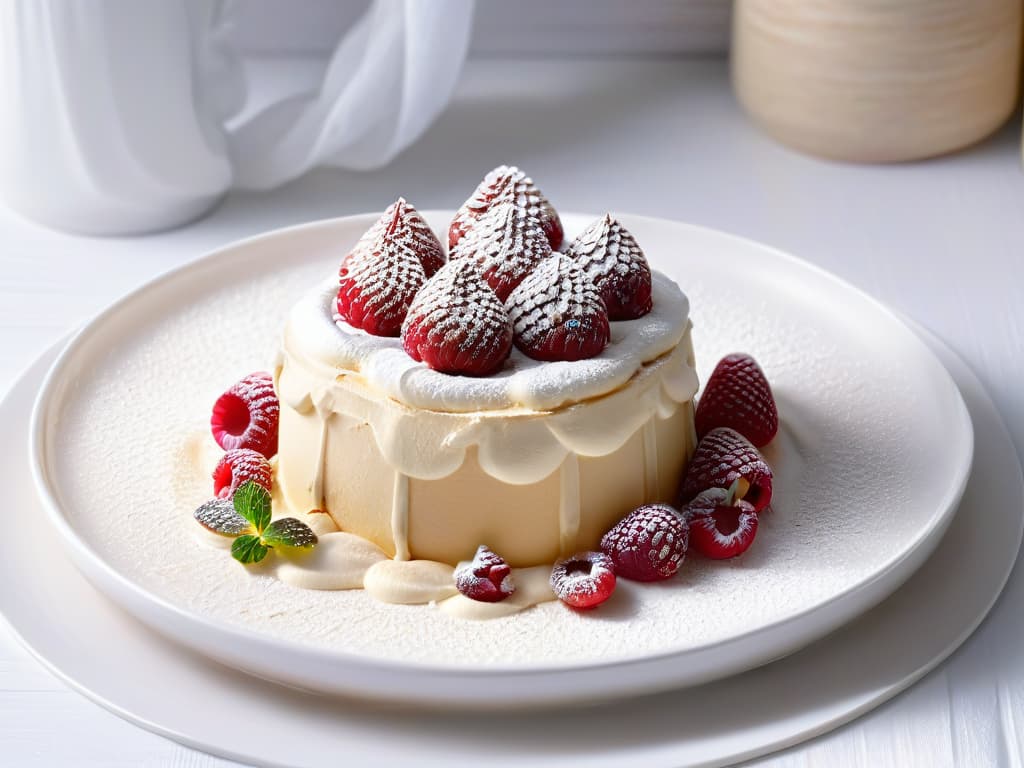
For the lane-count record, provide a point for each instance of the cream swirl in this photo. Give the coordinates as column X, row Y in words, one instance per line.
column 522, row 384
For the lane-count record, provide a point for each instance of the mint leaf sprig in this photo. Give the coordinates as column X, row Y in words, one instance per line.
column 246, row 517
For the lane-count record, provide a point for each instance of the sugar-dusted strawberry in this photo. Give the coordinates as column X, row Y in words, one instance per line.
column 649, row 544
column 610, row 258
column 382, row 274
column 737, row 395
column 722, row 456
column 457, row 324
column 584, row 580
column 557, row 314
column 402, row 227
column 488, row 578
column 722, row 525
column 504, row 182
column 247, row 414
column 507, row 242
column 237, row 466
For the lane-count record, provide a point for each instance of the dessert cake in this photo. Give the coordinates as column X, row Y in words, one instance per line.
column 537, row 459
column 464, row 422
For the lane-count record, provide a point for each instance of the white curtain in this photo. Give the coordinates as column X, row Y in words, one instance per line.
column 113, row 113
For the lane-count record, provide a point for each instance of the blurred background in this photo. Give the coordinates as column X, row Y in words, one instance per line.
column 879, row 140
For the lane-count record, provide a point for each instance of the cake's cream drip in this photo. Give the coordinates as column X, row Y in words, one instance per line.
column 516, row 443
column 569, row 505
column 400, row 516
column 515, row 446
column 522, row 384
column 324, row 410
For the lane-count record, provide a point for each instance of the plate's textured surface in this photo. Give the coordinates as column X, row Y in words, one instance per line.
column 118, row 663
column 868, row 462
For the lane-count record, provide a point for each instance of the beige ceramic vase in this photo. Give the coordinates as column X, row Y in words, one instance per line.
column 877, row 80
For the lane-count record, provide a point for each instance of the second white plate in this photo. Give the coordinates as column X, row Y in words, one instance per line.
column 873, row 456
column 155, row 684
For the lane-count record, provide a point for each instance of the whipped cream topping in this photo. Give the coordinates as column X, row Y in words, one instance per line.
column 522, row 384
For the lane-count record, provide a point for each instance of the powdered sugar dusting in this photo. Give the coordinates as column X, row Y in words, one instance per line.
column 584, row 579
column 236, row 467
column 609, row 256
column 254, row 396
column 401, row 228
column 648, row 544
column 507, row 241
column 722, row 456
column 457, row 324
column 557, row 299
column 487, row 578
column 502, row 183
column 385, row 269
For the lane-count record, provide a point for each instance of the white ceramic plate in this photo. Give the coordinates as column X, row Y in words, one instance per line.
column 102, row 652
column 870, row 463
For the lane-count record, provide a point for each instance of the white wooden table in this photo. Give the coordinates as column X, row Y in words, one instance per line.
column 941, row 241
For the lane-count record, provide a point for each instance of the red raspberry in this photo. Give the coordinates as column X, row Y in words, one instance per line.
column 557, row 314
column 457, row 324
column 610, row 258
column 504, row 182
column 385, row 269
column 584, row 580
column 738, row 395
column 722, row 456
column 721, row 525
column 237, row 466
column 507, row 242
column 487, row 579
column 246, row 416
column 649, row 544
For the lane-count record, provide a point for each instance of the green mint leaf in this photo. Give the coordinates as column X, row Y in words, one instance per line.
column 252, row 501
column 248, row 549
column 289, row 532
column 219, row 516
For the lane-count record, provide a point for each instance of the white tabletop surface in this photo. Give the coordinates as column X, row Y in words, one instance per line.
column 941, row 241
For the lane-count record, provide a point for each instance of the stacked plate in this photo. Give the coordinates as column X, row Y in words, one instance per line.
column 871, row 464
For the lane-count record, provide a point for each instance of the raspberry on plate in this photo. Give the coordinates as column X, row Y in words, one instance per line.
column 247, row 414
column 385, row 269
column 557, row 314
column 610, row 258
column 722, row 525
column 584, row 580
column 722, row 456
column 237, row 466
column 649, row 544
column 738, row 395
column 488, row 578
column 507, row 242
column 501, row 183
column 457, row 324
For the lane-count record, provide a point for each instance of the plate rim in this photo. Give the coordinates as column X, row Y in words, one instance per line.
column 92, row 564
column 748, row 751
